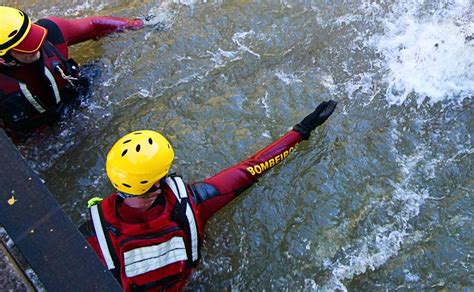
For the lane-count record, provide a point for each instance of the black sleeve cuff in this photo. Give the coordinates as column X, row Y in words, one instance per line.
column 305, row 133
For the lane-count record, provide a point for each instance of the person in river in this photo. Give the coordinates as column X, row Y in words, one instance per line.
column 149, row 232
column 37, row 77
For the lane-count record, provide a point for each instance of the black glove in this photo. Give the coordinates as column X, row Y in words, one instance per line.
column 322, row 112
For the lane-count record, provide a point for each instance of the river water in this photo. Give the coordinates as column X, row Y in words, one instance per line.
column 380, row 197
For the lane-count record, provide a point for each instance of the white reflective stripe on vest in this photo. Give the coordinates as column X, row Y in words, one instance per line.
column 193, row 229
column 172, row 186
column 179, row 190
column 145, row 259
column 30, row 98
column 99, row 232
column 50, row 76
column 190, row 215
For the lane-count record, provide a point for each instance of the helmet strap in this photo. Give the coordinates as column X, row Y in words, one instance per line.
column 11, row 61
column 8, row 60
column 124, row 196
column 152, row 189
column 163, row 180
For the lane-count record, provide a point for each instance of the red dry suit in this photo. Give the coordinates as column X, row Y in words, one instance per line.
column 156, row 249
column 32, row 95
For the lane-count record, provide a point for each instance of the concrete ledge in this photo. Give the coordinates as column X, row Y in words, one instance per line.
column 44, row 234
column 13, row 278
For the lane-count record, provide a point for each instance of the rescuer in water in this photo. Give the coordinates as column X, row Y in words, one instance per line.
column 37, row 77
column 150, row 231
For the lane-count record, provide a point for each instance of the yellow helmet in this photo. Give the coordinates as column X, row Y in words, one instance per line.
column 17, row 32
column 138, row 160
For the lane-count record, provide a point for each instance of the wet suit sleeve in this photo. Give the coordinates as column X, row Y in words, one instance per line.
column 211, row 194
column 79, row 30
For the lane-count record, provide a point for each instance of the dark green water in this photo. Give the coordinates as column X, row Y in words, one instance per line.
column 379, row 199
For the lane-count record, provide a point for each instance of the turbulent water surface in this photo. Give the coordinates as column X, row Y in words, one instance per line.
column 380, row 198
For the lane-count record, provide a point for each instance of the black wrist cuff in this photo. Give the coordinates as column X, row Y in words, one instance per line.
column 305, row 133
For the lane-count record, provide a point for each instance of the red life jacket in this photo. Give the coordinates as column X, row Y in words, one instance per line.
column 20, row 109
column 153, row 255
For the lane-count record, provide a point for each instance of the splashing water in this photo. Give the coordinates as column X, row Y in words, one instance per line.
column 287, row 78
column 431, row 56
column 160, row 17
column 377, row 247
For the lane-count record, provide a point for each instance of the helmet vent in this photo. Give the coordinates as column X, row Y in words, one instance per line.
column 137, row 133
column 21, row 13
column 126, row 185
column 138, row 148
column 12, row 33
column 144, row 182
column 125, row 142
column 124, row 152
column 150, row 141
column 169, row 147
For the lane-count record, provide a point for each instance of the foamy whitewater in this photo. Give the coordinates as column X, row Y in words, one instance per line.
column 429, row 55
column 385, row 241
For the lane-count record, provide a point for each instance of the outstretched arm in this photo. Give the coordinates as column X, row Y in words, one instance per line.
column 212, row 194
column 79, row 30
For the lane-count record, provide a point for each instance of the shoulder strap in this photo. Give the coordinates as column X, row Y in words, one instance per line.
column 105, row 243
column 49, row 46
column 178, row 187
